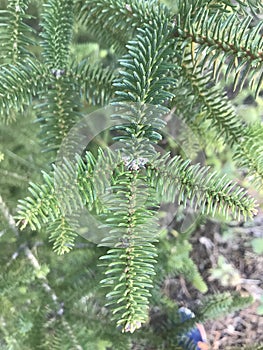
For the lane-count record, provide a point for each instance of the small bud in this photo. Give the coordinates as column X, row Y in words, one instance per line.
column 57, row 72
column 131, row 327
column 128, row 7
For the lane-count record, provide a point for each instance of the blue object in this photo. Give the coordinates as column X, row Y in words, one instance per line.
column 195, row 336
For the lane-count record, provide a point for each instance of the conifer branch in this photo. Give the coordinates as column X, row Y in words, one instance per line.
column 146, row 79
column 130, row 260
column 249, row 152
column 209, row 192
column 59, row 112
column 120, row 19
column 36, row 210
column 19, row 83
column 15, row 33
column 122, row 190
column 143, row 88
column 224, row 6
column 71, row 186
column 187, row 268
column 62, row 235
column 225, row 40
column 213, row 102
column 214, row 306
column 252, row 4
column 94, row 82
column 220, row 304
column 57, row 23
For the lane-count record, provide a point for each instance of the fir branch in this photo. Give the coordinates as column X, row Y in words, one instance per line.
column 249, row 152
column 59, row 112
column 120, row 19
column 94, row 82
column 224, row 6
column 48, row 201
column 36, row 210
column 143, row 82
column 96, row 178
column 120, row 189
column 187, row 268
column 191, row 114
column 224, row 40
column 15, row 33
column 143, row 89
column 184, row 7
column 70, row 333
column 214, row 104
column 57, row 23
column 255, row 6
column 58, row 307
column 210, row 192
column 219, row 304
column 19, row 83
column 72, row 186
column 146, row 79
column 130, row 260
column 62, row 235
column 83, row 182
column 212, row 306
column 37, row 266
column 174, row 260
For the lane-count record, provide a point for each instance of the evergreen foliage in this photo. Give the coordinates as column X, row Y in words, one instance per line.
column 16, row 35
column 163, row 58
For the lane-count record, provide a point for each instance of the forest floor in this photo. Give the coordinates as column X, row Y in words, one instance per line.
column 227, row 262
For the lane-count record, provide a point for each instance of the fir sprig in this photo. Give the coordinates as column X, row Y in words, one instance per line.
column 213, row 102
column 94, row 82
column 120, row 19
column 57, row 23
column 225, row 40
column 16, row 35
column 249, row 153
column 130, row 260
column 208, row 191
column 19, row 83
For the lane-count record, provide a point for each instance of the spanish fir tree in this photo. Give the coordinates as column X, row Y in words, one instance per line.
column 147, row 61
